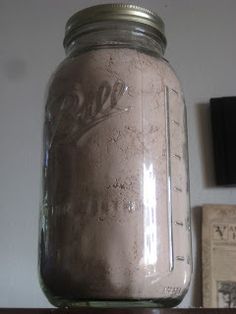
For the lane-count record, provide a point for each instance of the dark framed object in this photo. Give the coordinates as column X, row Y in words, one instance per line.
column 223, row 118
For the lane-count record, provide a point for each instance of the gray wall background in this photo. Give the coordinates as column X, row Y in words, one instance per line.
column 202, row 49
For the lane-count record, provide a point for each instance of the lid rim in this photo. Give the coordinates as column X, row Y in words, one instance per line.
column 112, row 6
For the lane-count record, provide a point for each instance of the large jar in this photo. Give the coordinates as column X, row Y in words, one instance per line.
column 115, row 219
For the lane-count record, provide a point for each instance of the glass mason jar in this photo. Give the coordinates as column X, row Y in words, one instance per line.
column 115, row 219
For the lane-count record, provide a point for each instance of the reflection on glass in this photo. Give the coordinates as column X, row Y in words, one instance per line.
column 150, row 220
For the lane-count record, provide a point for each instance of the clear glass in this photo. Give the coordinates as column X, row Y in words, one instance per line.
column 115, row 217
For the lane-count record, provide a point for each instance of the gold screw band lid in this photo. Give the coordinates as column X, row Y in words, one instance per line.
column 114, row 12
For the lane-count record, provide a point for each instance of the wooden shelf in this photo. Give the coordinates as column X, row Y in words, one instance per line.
column 116, row 311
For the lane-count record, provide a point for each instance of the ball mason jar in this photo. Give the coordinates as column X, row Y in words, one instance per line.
column 115, row 217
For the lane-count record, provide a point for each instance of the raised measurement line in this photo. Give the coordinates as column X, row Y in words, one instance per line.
column 177, row 156
column 180, row 258
column 179, row 223
column 176, row 122
column 178, row 189
column 173, row 90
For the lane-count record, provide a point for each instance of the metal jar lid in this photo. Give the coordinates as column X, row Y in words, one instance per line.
column 114, row 12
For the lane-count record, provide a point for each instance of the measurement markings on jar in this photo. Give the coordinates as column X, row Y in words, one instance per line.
column 177, row 156
column 179, row 223
column 176, row 122
column 173, row 90
column 180, row 258
column 177, row 189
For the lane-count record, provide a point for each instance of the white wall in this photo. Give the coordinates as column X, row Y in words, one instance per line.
column 201, row 47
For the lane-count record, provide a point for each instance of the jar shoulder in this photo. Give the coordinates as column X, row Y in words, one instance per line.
column 128, row 65
column 114, row 57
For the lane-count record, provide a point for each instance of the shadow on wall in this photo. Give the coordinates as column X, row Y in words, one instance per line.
column 207, row 163
column 197, row 263
column 15, row 69
column 206, row 145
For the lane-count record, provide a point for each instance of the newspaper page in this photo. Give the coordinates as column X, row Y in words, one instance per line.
column 219, row 256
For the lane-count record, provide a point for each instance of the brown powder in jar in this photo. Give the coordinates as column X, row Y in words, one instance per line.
column 106, row 177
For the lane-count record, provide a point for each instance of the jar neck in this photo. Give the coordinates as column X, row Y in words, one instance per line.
column 116, row 35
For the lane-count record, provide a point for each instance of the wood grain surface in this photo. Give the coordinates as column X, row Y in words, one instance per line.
column 117, row 311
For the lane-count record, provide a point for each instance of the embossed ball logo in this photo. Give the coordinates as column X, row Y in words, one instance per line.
column 77, row 112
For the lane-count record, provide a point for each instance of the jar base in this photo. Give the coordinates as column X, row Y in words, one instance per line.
column 155, row 303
